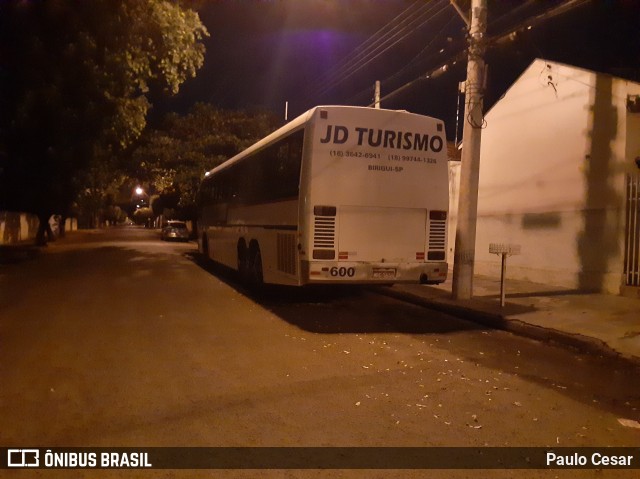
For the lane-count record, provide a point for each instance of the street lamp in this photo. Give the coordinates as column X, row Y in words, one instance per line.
column 139, row 197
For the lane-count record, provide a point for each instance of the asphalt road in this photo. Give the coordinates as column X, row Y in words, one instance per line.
column 114, row 338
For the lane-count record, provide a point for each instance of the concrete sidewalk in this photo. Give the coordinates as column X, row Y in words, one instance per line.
column 596, row 323
column 27, row 250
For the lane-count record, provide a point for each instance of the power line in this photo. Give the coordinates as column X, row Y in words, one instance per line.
column 523, row 26
column 372, row 42
column 363, row 48
column 353, row 64
column 414, row 60
column 459, row 44
column 384, row 46
column 442, row 67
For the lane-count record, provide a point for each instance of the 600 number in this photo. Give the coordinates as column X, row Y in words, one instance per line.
column 342, row 272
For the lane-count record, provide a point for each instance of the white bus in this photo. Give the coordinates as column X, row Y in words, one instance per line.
column 338, row 195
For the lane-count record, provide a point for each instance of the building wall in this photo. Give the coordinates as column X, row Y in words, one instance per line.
column 17, row 227
column 555, row 153
column 552, row 178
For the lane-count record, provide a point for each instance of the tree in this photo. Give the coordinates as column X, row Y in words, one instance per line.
column 75, row 83
column 175, row 156
column 142, row 216
column 101, row 187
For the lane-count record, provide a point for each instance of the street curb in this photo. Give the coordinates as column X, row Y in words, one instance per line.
column 584, row 344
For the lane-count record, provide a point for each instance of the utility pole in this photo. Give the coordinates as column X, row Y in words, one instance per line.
column 470, row 163
column 377, row 95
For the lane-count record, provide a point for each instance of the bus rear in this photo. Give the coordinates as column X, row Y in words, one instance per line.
column 374, row 198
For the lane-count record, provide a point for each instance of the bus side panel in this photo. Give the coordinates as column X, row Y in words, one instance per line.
column 279, row 255
column 223, row 242
column 272, row 226
column 283, row 214
column 209, row 214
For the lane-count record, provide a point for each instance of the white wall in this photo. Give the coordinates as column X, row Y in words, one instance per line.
column 17, row 227
column 552, row 178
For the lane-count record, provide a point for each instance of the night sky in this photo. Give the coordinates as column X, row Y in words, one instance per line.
column 264, row 53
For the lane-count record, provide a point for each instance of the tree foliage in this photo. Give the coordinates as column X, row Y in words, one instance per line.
column 174, row 157
column 75, row 83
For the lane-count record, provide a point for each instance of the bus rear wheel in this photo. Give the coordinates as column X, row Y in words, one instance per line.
column 255, row 276
column 254, row 273
column 243, row 261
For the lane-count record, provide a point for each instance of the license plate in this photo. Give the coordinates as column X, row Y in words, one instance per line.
column 384, row 273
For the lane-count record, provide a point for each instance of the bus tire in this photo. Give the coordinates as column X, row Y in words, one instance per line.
column 243, row 263
column 255, row 267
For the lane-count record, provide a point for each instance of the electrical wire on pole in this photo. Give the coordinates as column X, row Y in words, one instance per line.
column 394, row 33
column 497, row 39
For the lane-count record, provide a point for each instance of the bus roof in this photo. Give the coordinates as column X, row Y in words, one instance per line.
column 282, row 131
column 293, row 125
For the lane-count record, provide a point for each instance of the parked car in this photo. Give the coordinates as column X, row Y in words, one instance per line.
column 176, row 230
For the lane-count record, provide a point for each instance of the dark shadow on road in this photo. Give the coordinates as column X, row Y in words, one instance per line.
column 362, row 310
column 17, row 253
column 124, row 270
column 224, row 274
column 335, row 309
column 273, row 293
column 367, row 312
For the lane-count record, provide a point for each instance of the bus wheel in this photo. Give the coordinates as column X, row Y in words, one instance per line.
column 243, row 263
column 255, row 267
